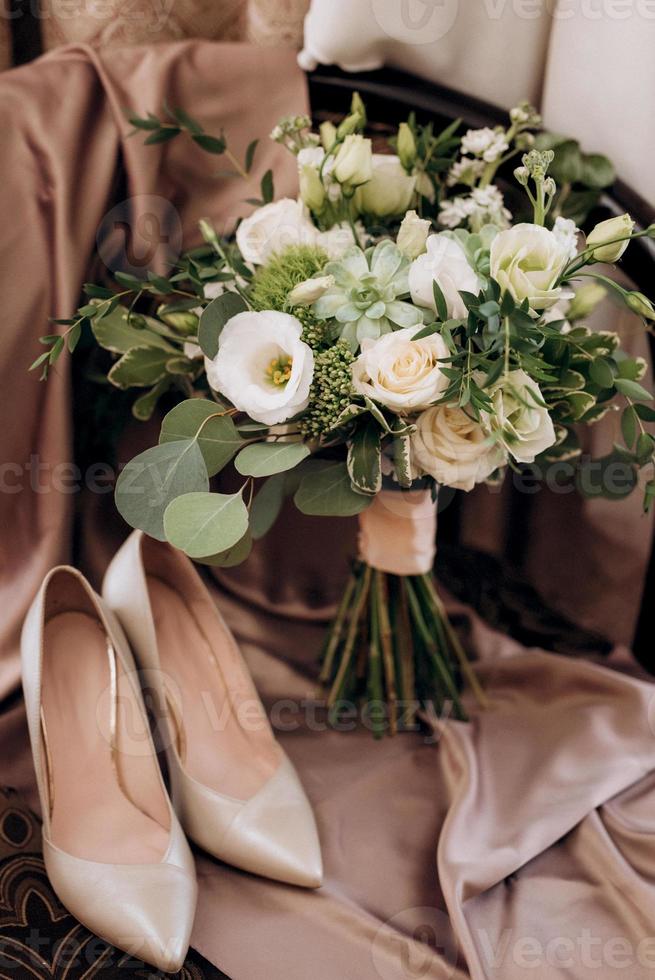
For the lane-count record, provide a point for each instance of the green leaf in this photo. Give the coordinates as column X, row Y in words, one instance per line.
column 629, row 426
column 327, row 492
column 211, row 144
column 267, row 458
column 218, row 439
column 156, row 477
column 214, row 318
column 645, row 412
column 139, row 368
column 439, row 301
column 566, row 168
column 601, row 372
column 145, row 404
column 632, row 389
column 428, row 330
column 250, row 155
column 597, row 170
column 139, row 123
column 184, row 119
column 402, row 460
column 644, row 449
column 268, row 191
column 232, row 556
column 204, row 524
column 267, row 505
column 365, row 458
column 114, row 333
column 163, row 135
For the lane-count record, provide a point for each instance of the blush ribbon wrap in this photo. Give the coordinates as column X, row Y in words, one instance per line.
column 397, row 533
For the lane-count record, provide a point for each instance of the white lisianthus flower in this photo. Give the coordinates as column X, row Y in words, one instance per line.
column 519, row 417
column 566, row 232
column 312, row 156
column 490, row 144
column 307, row 292
column 402, row 373
column 526, row 261
column 262, row 366
column 445, row 261
column 354, row 161
column 413, row 234
column 454, row 448
column 389, row 191
column 274, row 227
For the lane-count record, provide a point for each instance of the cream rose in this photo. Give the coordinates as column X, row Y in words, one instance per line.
column 273, row 228
column 412, row 235
column 262, row 366
column 526, row 261
column 399, row 372
column 454, row 448
column 524, row 425
column 446, row 263
column 354, row 161
column 389, row 191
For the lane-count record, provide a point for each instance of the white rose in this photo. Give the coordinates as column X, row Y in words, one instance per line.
column 389, row 191
column 524, row 424
column 399, row 372
column 273, row 228
column 262, row 366
column 454, row 448
column 413, row 234
column 526, row 261
column 445, row 262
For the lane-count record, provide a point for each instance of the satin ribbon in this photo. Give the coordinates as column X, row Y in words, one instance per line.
column 397, row 533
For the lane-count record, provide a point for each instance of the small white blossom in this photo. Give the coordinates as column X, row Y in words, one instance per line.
column 465, row 171
column 566, row 233
column 483, row 206
column 490, row 144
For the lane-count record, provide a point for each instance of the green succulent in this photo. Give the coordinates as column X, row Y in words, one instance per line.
column 365, row 299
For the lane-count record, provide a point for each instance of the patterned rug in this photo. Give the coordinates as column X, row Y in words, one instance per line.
column 38, row 937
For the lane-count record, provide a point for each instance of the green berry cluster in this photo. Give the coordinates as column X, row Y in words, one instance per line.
column 330, row 392
column 315, row 332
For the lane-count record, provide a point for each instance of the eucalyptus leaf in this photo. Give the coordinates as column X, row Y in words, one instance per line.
column 266, row 506
column 213, row 319
column 267, row 458
column 232, row 556
column 218, row 438
column 327, row 492
column 154, row 478
column 203, row 524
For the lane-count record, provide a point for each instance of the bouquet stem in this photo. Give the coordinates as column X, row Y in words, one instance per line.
column 391, row 643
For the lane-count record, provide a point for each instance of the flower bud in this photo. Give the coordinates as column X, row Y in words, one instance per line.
column 522, row 175
column 585, row 301
column 349, row 125
column 328, row 133
column 413, row 234
column 354, row 161
column 357, row 106
column 608, row 232
column 184, row 321
column 389, row 191
column 307, row 292
column 641, row 305
column 312, row 190
column 550, row 187
column 406, row 146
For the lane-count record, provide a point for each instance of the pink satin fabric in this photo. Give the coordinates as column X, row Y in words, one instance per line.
column 517, row 845
column 398, row 532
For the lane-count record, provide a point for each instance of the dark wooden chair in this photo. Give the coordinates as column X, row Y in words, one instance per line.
column 504, row 599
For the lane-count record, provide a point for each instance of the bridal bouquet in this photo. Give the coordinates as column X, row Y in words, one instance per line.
column 389, row 332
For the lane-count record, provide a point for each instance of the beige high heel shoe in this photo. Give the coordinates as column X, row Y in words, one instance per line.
column 235, row 791
column 113, row 848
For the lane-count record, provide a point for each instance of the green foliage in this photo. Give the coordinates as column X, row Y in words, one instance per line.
column 204, row 524
column 267, row 458
column 326, row 491
column 213, row 319
column 274, row 281
column 210, row 425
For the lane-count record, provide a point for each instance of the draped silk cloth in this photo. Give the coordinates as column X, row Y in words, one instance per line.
column 519, row 844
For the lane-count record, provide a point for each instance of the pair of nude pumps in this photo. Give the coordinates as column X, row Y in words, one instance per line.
column 114, row 843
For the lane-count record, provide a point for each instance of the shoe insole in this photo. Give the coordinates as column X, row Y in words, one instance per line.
column 92, row 817
column 226, row 740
